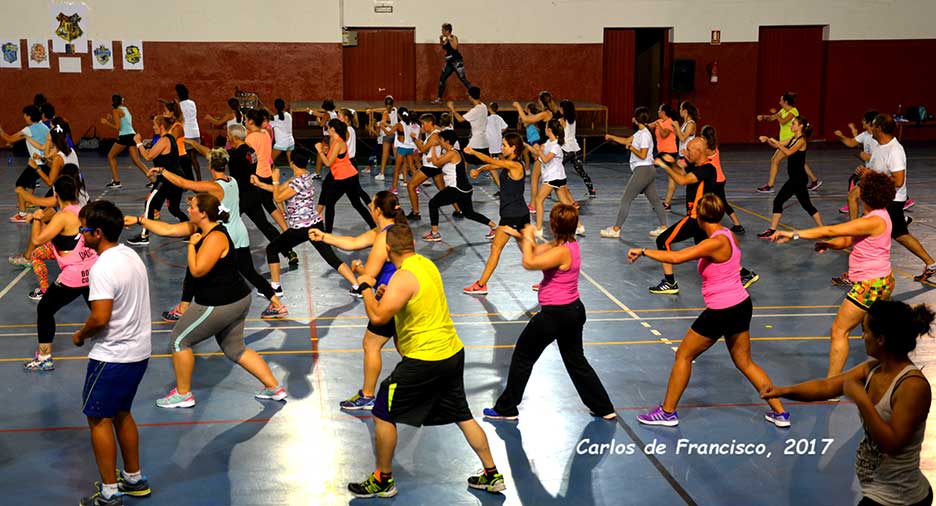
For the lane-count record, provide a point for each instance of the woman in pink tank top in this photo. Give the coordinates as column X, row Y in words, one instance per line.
column 561, row 319
column 869, row 269
column 61, row 240
column 727, row 314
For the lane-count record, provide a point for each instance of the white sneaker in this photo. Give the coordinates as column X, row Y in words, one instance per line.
column 580, row 230
column 657, row 231
column 539, row 234
column 379, row 177
column 610, row 233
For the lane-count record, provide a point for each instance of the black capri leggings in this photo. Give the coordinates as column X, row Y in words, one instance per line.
column 793, row 187
column 720, row 191
column 55, row 298
column 296, row 236
column 246, row 268
column 266, row 198
column 449, row 196
column 578, row 163
column 164, row 191
column 335, row 189
column 253, row 206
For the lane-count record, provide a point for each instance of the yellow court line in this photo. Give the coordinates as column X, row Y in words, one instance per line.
column 361, row 317
column 469, row 347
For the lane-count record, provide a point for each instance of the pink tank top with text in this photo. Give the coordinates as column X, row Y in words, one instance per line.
column 560, row 287
column 721, row 282
column 77, row 263
column 870, row 256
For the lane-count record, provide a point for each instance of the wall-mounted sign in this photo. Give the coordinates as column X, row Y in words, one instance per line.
column 383, row 6
column 716, row 37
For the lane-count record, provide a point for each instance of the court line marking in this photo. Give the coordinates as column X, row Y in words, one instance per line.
column 13, row 283
column 467, row 347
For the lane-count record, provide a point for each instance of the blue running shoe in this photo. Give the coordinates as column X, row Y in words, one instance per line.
column 357, row 402
column 490, row 414
column 781, row 420
column 38, row 364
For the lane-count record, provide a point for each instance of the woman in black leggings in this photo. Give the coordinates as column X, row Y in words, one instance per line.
column 165, row 155
column 298, row 194
column 797, row 181
column 457, row 189
column 342, row 176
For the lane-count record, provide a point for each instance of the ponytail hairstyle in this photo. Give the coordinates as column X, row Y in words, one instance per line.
column 234, row 104
column 642, row 115
column 173, row 107
column 340, row 127
column 807, row 126
column 280, row 106
column 568, row 111
column 557, row 129
column 328, row 104
column 59, row 136
column 711, row 137
column 116, row 100
column 164, row 122
column 74, row 172
column 546, row 99
column 668, row 111
column 349, row 116
column 899, row 323
column 256, row 116
column 691, row 110
column 66, row 188
column 389, row 205
column 211, row 206
column 218, row 159
column 516, row 142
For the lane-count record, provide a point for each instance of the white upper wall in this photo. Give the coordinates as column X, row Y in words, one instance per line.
column 476, row 21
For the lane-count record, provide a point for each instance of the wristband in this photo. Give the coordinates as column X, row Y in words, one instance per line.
column 364, row 286
column 139, row 144
column 795, row 236
column 139, row 220
column 643, row 252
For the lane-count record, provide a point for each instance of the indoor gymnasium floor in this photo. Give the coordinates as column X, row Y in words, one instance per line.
column 233, row 449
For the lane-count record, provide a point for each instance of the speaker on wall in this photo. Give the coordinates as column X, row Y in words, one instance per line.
column 683, row 76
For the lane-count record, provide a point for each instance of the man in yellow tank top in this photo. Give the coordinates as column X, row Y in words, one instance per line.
column 427, row 387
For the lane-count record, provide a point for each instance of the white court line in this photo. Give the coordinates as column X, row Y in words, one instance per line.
column 608, row 295
column 13, row 283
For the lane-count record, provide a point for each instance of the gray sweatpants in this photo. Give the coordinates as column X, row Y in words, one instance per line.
column 641, row 181
column 225, row 323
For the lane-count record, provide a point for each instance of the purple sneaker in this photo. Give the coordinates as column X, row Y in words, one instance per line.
column 490, row 414
column 781, row 420
column 657, row 416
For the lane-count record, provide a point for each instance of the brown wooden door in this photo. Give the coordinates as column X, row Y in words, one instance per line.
column 791, row 58
column 617, row 90
column 383, row 63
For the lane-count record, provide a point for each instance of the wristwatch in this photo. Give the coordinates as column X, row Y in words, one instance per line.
column 796, row 235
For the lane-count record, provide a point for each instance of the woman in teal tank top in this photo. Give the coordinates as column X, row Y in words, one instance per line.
column 122, row 121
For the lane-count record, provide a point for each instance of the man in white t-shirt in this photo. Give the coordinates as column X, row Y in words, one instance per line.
column 890, row 158
column 120, row 333
column 477, row 117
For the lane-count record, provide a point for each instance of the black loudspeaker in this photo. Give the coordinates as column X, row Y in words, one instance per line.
column 683, row 76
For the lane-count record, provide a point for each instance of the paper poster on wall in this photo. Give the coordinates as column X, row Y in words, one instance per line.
column 69, row 27
column 69, row 64
column 37, row 54
column 132, row 51
column 11, row 54
column 102, row 54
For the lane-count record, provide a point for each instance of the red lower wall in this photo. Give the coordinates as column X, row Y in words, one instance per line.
column 859, row 75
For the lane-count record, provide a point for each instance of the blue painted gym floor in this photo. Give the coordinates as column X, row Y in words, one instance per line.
column 233, row 449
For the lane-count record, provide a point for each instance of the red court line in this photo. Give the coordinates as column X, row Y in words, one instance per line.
column 366, row 416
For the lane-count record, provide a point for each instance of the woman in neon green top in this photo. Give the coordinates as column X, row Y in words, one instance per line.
column 785, row 118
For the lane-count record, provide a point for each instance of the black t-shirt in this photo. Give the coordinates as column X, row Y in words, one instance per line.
column 243, row 164
column 706, row 175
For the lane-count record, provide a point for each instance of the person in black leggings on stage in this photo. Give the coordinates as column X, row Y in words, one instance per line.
column 561, row 319
column 165, row 155
column 454, row 63
column 797, row 182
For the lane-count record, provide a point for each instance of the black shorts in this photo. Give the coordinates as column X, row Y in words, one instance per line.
column 126, row 140
column 731, row 321
column 474, row 160
column 387, row 330
column 430, row 172
column 515, row 222
column 659, row 156
column 419, row 392
column 898, row 222
column 556, row 183
column 29, row 178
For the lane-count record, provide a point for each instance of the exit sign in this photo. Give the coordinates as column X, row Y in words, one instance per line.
column 383, row 6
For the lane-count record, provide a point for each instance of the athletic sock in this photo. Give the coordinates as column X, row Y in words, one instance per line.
column 132, row 478
column 22, row 213
column 109, row 490
column 383, row 477
column 44, row 357
column 275, row 285
column 670, row 278
column 931, row 267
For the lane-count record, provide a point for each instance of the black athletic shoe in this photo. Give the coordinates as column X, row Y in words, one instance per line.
column 738, row 229
column 98, row 500
column 113, row 185
column 373, row 488
column 139, row 240
column 496, row 195
column 749, row 279
column 293, row 258
column 356, row 292
column 481, row 481
column 138, row 489
column 413, row 216
column 665, row 288
column 766, row 234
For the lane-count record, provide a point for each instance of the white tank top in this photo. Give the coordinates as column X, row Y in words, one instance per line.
column 434, row 150
column 683, row 144
column 352, row 142
column 891, row 478
column 571, row 145
column 232, row 121
column 72, row 158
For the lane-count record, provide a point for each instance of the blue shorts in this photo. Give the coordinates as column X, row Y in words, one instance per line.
column 110, row 387
column 404, row 151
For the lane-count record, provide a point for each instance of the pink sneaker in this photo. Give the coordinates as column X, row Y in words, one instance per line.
column 18, row 218
column 909, row 203
column 531, row 208
column 844, row 209
column 394, row 191
column 490, row 235
column 476, row 289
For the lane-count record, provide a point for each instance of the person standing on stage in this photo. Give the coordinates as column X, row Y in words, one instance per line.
column 453, row 61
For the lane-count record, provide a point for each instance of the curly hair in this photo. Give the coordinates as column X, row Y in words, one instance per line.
column 877, row 190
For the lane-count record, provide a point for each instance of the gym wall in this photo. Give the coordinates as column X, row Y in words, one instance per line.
column 874, row 52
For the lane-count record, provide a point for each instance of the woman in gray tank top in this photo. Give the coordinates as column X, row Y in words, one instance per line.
column 893, row 398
